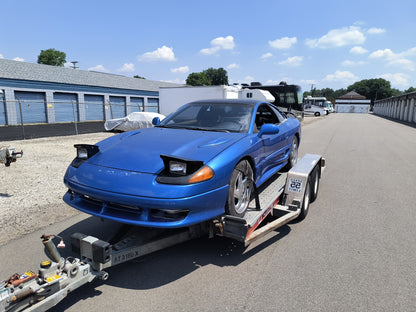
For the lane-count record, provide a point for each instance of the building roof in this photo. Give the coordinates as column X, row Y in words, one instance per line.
column 46, row 73
column 353, row 96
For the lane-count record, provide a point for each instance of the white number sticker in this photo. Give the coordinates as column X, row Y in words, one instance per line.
column 295, row 185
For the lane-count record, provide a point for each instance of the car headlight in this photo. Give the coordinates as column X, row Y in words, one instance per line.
column 177, row 167
column 183, row 171
column 84, row 151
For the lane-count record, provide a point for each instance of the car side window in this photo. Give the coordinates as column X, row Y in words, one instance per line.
column 281, row 116
column 264, row 115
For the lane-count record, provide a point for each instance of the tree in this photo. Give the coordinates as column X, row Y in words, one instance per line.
column 137, row 76
column 198, row 79
column 373, row 89
column 217, row 77
column 208, row 77
column 411, row 89
column 52, row 57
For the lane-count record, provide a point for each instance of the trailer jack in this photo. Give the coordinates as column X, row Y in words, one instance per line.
column 9, row 155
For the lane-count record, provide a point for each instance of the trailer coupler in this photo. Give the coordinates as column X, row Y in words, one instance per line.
column 56, row 278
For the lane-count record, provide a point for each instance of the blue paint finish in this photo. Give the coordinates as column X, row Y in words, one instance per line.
column 65, row 107
column 33, row 107
column 94, row 107
column 136, row 104
column 120, row 182
column 117, row 107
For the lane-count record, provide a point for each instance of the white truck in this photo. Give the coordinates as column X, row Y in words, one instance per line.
column 286, row 97
column 171, row 98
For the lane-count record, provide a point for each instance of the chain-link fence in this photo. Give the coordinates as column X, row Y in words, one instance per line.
column 29, row 112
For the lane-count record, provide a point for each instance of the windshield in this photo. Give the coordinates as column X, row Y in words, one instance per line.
column 211, row 117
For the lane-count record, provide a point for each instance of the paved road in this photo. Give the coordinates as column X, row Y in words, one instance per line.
column 355, row 251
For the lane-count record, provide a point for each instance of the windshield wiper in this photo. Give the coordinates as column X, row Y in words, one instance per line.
column 171, row 126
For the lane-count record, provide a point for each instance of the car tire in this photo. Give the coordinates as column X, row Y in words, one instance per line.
column 293, row 154
column 317, row 114
column 240, row 189
column 315, row 184
column 305, row 203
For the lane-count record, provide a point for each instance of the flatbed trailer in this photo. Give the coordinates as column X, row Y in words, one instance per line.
column 285, row 197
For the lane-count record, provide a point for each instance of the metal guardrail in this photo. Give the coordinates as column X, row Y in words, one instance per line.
column 400, row 107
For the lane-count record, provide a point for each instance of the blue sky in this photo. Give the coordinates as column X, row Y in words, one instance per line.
column 325, row 43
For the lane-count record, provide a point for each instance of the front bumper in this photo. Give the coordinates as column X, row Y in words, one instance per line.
column 147, row 211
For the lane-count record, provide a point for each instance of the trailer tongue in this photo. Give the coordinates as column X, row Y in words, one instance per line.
column 285, row 197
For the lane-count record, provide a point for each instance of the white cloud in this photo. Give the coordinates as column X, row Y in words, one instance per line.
column 99, row 68
column 341, row 76
column 266, row 56
column 127, row 68
column 348, row 63
column 358, row 50
column 161, row 54
column 395, row 59
column 385, row 54
column 233, row 66
column 375, row 31
column 338, row 38
column 220, row 43
column 292, row 61
column 182, row 70
column 283, row 43
column 1, row 56
column 19, row 59
column 398, row 79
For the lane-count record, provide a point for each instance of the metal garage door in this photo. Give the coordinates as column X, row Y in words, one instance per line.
column 66, row 107
column 3, row 118
column 152, row 105
column 136, row 104
column 94, row 107
column 117, row 107
column 33, row 106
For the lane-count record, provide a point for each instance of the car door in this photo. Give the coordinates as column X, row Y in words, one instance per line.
column 275, row 145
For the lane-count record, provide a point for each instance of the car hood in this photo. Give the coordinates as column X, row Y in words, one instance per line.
column 140, row 150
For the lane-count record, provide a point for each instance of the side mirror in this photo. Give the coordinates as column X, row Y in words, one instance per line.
column 155, row 121
column 268, row 129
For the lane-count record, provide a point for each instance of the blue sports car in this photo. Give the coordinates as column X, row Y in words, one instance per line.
column 201, row 162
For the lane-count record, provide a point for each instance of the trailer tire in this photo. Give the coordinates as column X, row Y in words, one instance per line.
column 315, row 184
column 240, row 189
column 305, row 203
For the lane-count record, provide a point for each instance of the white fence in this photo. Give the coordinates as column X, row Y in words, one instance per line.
column 399, row 107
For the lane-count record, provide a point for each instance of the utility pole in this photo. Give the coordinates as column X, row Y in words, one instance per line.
column 74, row 63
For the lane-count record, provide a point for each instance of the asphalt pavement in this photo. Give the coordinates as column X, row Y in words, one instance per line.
column 355, row 251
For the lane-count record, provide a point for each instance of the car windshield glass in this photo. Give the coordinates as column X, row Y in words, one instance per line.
column 211, row 117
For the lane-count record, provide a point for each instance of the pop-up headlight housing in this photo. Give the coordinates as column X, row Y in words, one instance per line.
column 183, row 171
column 84, row 152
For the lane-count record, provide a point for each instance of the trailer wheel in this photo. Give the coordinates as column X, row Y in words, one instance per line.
column 305, row 204
column 240, row 189
column 293, row 154
column 315, row 184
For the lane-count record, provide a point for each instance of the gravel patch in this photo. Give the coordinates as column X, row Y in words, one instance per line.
column 31, row 189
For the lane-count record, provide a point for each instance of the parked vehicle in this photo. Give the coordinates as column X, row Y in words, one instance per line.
column 132, row 121
column 200, row 162
column 315, row 110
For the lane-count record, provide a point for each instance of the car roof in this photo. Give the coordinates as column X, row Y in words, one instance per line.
column 227, row 101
